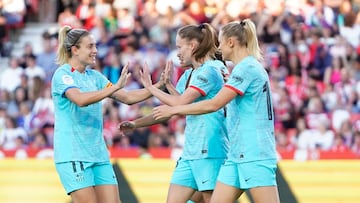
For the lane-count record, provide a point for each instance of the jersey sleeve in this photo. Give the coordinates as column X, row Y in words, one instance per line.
column 240, row 79
column 205, row 79
column 62, row 81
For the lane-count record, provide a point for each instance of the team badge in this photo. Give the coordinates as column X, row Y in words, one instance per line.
column 67, row 79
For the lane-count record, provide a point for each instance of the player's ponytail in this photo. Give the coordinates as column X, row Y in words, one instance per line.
column 245, row 33
column 205, row 35
column 62, row 54
column 68, row 38
column 253, row 44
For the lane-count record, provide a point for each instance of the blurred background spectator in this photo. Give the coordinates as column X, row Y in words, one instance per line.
column 311, row 50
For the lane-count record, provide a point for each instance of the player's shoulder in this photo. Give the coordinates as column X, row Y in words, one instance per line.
column 215, row 63
column 251, row 62
column 63, row 69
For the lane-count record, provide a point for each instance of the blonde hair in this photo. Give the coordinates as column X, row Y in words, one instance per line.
column 245, row 33
column 68, row 38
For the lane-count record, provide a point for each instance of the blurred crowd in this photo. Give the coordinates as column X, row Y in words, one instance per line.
column 311, row 49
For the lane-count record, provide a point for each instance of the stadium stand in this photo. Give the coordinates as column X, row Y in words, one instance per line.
column 311, row 51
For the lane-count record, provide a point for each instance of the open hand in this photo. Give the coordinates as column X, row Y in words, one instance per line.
column 145, row 76
column 168, row 73
column 123, row 77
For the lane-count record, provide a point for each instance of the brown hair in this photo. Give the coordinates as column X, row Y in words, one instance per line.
column 205, row 35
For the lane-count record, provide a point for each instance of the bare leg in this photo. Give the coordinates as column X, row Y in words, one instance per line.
column 85, row 195
column 107, row 194
column 225, row 194
column 197, row 197
column 207, row 196
column 179, row 194
column 267, row 194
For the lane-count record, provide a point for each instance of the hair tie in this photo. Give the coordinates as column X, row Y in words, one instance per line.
column 67, row 31
column 201, row 26
column 242, row 23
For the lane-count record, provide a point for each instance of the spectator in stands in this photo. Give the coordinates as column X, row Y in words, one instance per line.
column 356, row 144
column 102, row 8
column 320, row 15
column 14, row 11
column 39, row 141
column 330, row 98
column 10, row 136
column 112, row 67
column 19, row 95
column 149, row 14
column 269, row 27
column 345, row 89
column 156, row 18
column 284, row 110
column 82, row 10
column 153, row 58
column 25, row 119
column 28, row 50
column 3, row 30
column 346, row 132
column 67, row 17
column 282, row 142
column 90, row 22
column 32, row 70
column 2, row 116
column 126, row 21
column 143, row 138
column 323, row 137
column 332, row 75
column 348, row 27
column 44, row 102
column 320, row 57
column 338, row 145
column 179, row 133
column 162, row 137
column 111, row 122
column 130, row 53
column 10, row 78
column 46, row 59
column 355, row 69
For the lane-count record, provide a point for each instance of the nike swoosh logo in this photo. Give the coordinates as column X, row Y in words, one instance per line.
column 204, row 181
column 246, row 180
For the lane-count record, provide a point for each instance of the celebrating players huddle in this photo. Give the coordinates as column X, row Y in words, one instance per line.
column 218, row 163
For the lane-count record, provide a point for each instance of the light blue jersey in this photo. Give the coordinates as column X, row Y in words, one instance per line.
column 183, row 80
column 205, row 135
column 78, row 134
column 250, row 113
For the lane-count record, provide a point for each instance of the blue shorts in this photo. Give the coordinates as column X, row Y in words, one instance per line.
column 199, row 174
column 75, row 175
column 248, row 175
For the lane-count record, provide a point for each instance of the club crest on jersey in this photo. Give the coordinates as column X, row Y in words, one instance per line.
column 238, row 78
column 205, row 80
column 67, row 79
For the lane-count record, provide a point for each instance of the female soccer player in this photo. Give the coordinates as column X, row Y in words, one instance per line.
column 251, row 162
column 206, row 142
column 80, row 153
